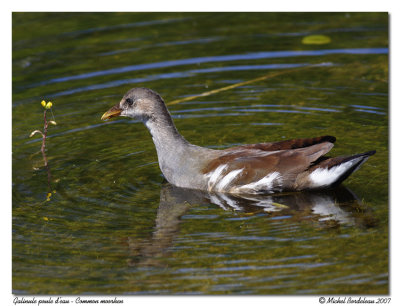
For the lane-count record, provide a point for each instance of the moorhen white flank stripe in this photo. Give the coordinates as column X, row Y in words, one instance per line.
column 290, row 165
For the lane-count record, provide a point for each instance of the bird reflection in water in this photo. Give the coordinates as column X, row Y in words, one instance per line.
column 328, row 208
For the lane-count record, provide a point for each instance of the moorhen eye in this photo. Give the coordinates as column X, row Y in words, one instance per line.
column 129, row 101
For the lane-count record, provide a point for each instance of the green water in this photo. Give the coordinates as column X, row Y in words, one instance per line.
column 114, row 226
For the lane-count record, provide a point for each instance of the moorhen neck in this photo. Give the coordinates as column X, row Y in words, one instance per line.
column 289, row 165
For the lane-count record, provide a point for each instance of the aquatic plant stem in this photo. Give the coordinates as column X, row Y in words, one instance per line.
column 262, row 78
column 44, row 138
column 47, row 106
column 44, row 135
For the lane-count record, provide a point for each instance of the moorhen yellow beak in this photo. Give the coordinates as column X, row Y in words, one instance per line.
column 112, row 112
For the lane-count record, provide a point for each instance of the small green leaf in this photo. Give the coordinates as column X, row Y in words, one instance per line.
column 34, row 132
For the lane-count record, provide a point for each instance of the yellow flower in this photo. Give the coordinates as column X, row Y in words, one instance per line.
column 49, row 105
column 48, row 196
column 43, row 103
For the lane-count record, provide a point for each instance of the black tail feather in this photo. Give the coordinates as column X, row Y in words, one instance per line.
column 345, row 175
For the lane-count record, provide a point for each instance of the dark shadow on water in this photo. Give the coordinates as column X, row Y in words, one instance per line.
column 331, row 208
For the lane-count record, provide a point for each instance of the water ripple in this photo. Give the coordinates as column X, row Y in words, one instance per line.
column 124, row 26
column 164, row 44
column 368, row 109
column 171, row 75
column 210, row 59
